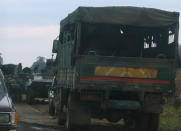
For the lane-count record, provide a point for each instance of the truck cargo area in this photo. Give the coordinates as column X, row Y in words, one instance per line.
column 126, row 73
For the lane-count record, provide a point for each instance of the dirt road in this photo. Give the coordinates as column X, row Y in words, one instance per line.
column 36, row 118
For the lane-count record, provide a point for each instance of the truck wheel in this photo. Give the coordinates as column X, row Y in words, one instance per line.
column 77, row 118
column 149, row 122
column 154, row 121
column 69, row 125
column 113, row 116
column 131, row 124
column 61, row 117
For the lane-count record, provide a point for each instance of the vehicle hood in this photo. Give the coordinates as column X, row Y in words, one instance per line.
column 5, row 103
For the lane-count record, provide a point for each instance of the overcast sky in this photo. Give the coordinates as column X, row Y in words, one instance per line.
column 28, row 27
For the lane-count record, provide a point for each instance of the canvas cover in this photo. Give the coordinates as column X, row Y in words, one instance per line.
column 132, row 16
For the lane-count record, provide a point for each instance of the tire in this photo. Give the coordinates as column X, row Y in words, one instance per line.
column 142, row 122
column 61, row 116
column 149, row 122
column 69, row 125
column 74, row 127
column 51, row 108
column 154, row 120
column 77, row 118
column 113, row 116
column 131, row 123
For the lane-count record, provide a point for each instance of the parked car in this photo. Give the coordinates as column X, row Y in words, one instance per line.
column 8, row 115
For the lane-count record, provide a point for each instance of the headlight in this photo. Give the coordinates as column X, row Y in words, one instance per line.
column 4, row 118
column 14, row 118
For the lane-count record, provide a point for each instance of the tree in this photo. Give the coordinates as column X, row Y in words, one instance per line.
column 19, row 68
column 9, row 69
column 39, row 65
column 27, row 70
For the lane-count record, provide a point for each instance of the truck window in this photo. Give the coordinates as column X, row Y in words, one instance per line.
column 127, row 41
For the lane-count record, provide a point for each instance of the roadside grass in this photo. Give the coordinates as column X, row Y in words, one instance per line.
column 170, row 119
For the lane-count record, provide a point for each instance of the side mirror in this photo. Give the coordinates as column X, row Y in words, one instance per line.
column 55, row 46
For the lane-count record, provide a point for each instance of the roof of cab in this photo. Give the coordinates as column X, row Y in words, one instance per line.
column 123, row 15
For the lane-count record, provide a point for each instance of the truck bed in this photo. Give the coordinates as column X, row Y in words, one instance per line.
column 119, row 73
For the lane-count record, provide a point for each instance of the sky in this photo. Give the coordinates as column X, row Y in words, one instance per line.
column 28, row 27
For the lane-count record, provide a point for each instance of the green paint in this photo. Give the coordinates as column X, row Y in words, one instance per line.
column 87, row 70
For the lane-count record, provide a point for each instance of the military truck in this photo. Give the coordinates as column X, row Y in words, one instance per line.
column 115, row 63
column 37, row 89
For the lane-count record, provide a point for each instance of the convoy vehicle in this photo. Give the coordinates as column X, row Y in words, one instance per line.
column 8, row 115
column 38, row 90
column 115, row 63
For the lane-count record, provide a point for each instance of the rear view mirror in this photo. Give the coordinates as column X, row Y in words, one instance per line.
column 55, row 46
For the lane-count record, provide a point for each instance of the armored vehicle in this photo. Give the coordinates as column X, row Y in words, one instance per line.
column 38, row 89
column 115, row 63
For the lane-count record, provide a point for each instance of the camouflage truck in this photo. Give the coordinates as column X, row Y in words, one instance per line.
column 115, row 63
column 37, row 88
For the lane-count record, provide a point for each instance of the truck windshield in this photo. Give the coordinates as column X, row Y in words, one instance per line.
column 127, row 41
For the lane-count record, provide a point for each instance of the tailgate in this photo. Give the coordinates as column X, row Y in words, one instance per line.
column 145, row 73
